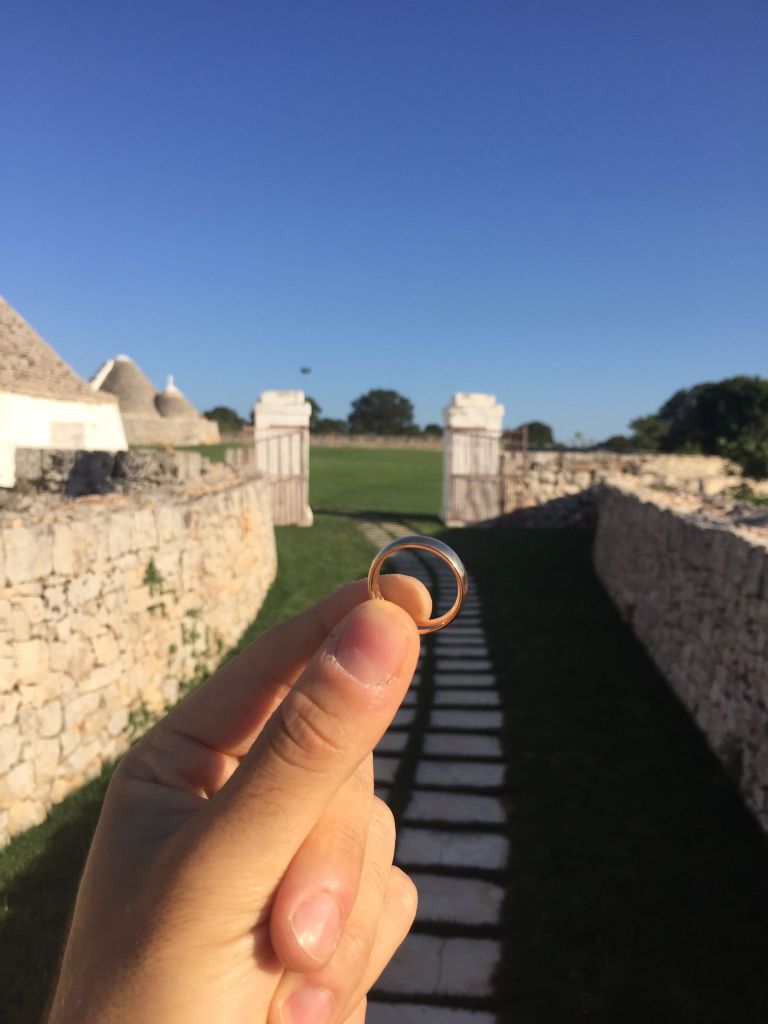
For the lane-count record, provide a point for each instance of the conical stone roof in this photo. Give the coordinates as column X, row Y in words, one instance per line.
column 29, row 366
column 134, row 391
column 171, row 403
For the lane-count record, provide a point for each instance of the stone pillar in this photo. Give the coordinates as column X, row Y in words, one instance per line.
column 472, row 483
column 281, row 440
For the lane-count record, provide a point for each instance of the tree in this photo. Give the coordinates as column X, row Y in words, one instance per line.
column 617, row 443
column 329, row 426
column 727, row 417
column 648, row 433
column 433, row 430
column 314, row 415
column 227, row 418
column 539, row 434
column 381, row 412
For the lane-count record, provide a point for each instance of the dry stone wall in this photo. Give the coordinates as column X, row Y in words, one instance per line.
column 551, row 488
column 107, row 605
column 692, row 581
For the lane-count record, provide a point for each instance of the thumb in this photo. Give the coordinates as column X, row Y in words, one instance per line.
column 330, row 721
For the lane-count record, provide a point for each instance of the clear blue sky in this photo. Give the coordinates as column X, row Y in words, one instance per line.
column 559, row 201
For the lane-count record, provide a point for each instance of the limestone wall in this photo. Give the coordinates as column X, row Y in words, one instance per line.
column 692, row 582
column 558, row 483
column 107, row 605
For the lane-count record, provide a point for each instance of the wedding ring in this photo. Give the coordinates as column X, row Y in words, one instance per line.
column 434, row 547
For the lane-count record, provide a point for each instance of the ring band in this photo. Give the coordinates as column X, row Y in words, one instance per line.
column 434, row 547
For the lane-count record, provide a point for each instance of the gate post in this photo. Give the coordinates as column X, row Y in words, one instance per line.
column 281, row 441
column 472, row 482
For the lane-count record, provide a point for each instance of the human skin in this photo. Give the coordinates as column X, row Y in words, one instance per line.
column 241, row 871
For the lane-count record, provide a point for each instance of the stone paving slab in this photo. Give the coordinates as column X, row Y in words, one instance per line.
column 392, row 742
column 404, row 716
column 459, row 773
column 384, row 768
column 459, row 744
column 458, row 718
column 470, row 698
column 426, row 805
column 439, row 847
column 433, row 965
column 418, row 1013
column 462, row 900
column 443, row 664
column 464, row 679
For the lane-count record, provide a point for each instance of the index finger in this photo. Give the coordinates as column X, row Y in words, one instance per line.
column 228, row 711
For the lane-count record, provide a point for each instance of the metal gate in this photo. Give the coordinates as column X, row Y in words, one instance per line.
column 283, row 458
column 474, row 482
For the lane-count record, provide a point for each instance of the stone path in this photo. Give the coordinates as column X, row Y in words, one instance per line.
column 441, row 768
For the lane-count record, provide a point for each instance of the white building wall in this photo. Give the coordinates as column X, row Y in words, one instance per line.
column 27, row 421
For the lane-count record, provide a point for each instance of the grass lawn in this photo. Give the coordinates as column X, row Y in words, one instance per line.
column 376, row 482
column 637, row 891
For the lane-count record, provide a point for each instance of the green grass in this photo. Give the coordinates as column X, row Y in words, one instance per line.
column 376, row 482
column 637, row 890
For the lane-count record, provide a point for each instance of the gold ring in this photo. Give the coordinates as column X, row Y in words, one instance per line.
column 435, row 547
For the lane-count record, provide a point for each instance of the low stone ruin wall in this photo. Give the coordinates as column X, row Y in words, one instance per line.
column 75, row 473
column 692, row 582
column 550, row 488
column 107, row 605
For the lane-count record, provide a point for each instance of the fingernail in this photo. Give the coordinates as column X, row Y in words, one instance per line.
column 316, row 926
column 308, row 1006
column 373, row 645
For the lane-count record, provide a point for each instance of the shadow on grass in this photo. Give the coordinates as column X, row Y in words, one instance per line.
column 406, row 518
column 637, row 889
column 37, row 897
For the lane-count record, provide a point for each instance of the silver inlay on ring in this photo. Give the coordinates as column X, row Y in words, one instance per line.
column 433, row 547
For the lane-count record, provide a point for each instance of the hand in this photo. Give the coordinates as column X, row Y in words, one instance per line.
column 241, row 871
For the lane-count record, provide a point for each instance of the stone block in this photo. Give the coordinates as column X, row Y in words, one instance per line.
column 427, row 805
column 63, row 560
column 470, row 698
column 31, row 661
column 78, row 709
column 465, row 901
column 10, row 747
column 28, row 553
column 19, row 623
column 469, row 719
column 84, row 589
column 9, row 705
column 439, row 847
column 462, row 664
column 50, row 719
column 465, row 679
column 384, row 768
column 465, row 774
column 392, row 741
column 422, row 1013
column 461, row 745
column 18, row 783
column 433, row 965
column 105, row 648
column 23, row 814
